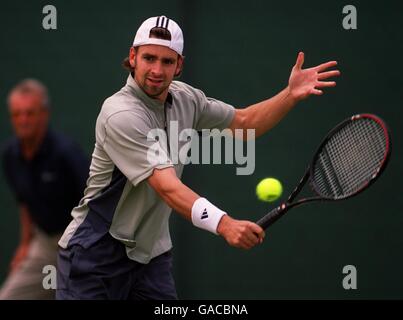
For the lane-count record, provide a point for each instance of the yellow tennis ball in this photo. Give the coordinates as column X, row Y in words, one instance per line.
column 269, row 189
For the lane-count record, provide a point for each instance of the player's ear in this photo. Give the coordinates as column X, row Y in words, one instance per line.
column 179, row 66
column 132, row 56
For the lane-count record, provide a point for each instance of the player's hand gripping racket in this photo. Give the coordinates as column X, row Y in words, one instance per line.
column 351, row 157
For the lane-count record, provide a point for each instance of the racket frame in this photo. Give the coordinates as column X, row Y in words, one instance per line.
column 279, row 211
column 371, row 179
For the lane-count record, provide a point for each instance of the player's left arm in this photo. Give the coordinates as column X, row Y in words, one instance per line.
column 302, row 83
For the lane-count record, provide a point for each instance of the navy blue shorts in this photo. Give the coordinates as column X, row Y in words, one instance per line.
column 104, row 271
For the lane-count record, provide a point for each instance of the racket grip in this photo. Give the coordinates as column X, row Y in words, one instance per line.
column 271, row 217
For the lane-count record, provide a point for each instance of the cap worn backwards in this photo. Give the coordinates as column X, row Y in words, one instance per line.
column 144, row 37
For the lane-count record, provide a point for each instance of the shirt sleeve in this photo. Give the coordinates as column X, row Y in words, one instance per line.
column 134, row 147
column 213, row 113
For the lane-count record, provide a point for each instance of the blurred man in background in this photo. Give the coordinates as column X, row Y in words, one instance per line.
column 46, row 172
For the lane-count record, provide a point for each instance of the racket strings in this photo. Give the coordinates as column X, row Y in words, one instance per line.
column 350, row 158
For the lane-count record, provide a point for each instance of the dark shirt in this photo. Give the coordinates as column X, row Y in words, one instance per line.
column 50, row 184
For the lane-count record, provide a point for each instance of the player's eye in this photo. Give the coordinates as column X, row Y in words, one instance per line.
column 168, row 61
column 149, row 58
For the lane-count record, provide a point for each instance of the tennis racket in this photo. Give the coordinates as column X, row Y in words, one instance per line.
column 351, row 157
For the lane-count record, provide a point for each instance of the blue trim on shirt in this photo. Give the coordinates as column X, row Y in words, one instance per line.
column 101, row 210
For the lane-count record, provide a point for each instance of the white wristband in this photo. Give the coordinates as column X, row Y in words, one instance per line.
column 205, row 215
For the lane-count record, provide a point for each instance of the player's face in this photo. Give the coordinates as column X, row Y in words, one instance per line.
column 28, row 115
column 154, row 69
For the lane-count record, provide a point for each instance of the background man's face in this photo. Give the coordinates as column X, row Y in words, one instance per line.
column 28, row 115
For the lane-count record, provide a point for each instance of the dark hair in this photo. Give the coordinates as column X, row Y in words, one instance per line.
column 160, row 33
column 126, row 63
column 156, row 32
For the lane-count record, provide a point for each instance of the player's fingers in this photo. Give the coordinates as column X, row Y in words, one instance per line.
column 248, row 237
column 323, row 84
column 328, row 74
column 252, row 238
column 257, row 230
column 326, row 65
column 258, row 233
column 245, row 243
column 316, row 92
column 300, row 60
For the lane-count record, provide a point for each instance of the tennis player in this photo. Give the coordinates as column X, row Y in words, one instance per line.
column 118, row 244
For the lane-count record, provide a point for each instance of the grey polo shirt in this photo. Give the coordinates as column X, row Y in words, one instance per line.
column 118, row 198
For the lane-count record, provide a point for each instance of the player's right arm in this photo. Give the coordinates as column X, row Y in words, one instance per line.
column 126, row 140
column 240, row 234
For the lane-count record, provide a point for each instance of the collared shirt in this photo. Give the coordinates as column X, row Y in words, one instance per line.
column 50, row 184
column 118, row 198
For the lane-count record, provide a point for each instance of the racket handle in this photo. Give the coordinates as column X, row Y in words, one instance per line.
column 272, row 217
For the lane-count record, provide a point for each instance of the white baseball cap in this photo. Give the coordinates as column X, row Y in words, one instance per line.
column 143, row 34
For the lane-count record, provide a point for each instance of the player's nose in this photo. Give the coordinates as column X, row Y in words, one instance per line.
column 156, row 69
